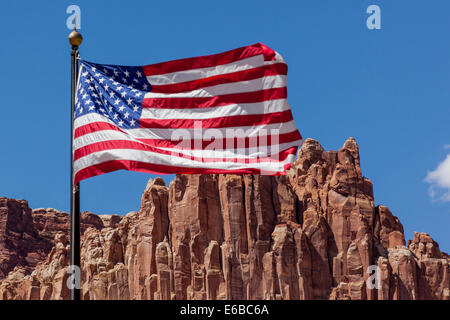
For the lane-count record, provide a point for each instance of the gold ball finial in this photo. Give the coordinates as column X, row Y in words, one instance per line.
column 75, row 38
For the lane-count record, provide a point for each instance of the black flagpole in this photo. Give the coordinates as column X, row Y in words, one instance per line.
column 75, row 40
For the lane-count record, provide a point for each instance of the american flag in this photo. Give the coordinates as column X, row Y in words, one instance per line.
column 221, row 113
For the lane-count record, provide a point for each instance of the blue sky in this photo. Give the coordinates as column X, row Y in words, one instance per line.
column 388, row 88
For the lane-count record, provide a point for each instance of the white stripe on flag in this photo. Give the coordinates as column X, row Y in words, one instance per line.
column 269, row 82
column 200, row 73
column 268, row 106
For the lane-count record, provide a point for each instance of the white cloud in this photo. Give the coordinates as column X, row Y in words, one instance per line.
column 439, row 180
column 446, row 146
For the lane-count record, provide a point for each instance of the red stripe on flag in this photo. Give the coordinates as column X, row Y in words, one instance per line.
column 202, row 144
column 222, row 122
column 94, row 127
column 115, row 165
column 210, row 60
column 216, row 101
column 244, row 75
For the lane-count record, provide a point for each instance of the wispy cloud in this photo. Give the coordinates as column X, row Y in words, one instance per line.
column 446, row 146
column 439, row 180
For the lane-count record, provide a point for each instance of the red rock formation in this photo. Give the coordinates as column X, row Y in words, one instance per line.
column 312, row 234
column 432, row 269
column 20, row 242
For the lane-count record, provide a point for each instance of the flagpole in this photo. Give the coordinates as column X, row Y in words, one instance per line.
column 75, row 40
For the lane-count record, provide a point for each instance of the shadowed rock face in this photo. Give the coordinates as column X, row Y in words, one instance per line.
column 20, row 242
column 311, row 234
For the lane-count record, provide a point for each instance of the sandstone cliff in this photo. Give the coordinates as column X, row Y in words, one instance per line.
column 311, row 234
